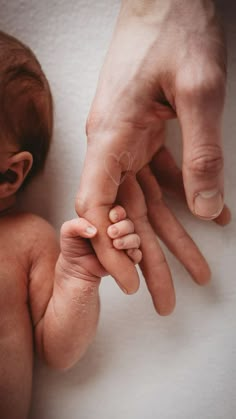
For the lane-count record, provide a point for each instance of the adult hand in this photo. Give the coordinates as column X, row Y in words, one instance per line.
column 166, row 59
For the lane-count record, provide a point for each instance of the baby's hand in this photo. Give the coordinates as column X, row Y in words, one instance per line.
column 78, row 259
column 123, row 235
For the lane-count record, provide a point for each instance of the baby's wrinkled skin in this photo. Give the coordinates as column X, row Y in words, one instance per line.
column 49, row 294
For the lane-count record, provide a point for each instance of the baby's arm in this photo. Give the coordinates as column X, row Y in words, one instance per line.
column 70, row 314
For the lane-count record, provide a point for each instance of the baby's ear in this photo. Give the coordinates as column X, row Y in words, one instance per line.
column 18, row 168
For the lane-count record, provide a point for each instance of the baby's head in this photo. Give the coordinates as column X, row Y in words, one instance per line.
column 26, row 116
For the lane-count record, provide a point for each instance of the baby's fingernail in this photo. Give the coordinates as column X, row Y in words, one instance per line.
column 114, row 217
column 120, row 243
column 91, row 230
column 114, row 231
column 208, row 204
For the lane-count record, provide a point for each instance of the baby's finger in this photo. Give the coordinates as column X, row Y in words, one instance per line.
column 135, row 255
column 120, row 229
column 131, row 241
column 117, row 214
column 78, row 227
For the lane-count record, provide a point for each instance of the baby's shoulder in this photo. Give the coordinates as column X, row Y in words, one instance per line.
column 28, row 229
column 27, row 220
column 33, row 223
column 28, row 239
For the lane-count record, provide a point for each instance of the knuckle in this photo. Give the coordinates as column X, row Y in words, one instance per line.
column 206, row 160
column 195, row 85
column 81, row 206
column 89, row 124
column 93, row 122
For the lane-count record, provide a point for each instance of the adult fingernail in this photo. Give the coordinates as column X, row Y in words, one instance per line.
column 208, row 204
column 91, row 230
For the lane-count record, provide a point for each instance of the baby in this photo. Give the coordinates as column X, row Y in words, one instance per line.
column 48, row 296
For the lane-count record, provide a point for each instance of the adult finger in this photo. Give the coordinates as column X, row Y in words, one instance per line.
column 167, row 173
column 135, row 255
column 96, row 196
column 153, row 265
column 170, row 179
column 164, row 222
column 199, row 105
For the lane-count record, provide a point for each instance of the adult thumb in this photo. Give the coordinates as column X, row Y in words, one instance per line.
column 200, row 111
column 101, row 177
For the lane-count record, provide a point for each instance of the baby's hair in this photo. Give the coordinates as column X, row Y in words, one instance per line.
column 26, row 108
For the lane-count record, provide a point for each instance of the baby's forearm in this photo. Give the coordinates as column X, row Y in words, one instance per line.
column 71, row 318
